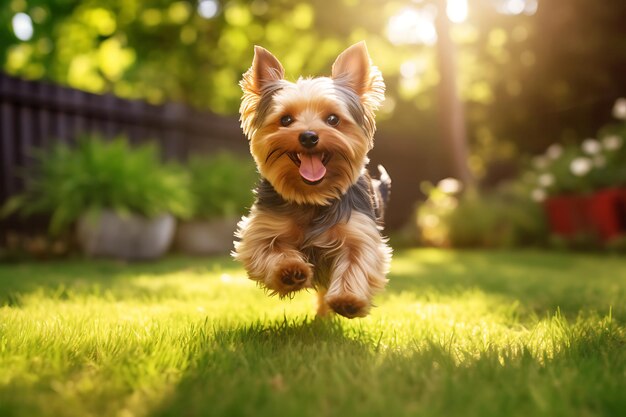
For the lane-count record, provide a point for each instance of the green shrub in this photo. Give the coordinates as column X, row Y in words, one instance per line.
column 432, row 215
column 505, row 217
column 501, row 218
column 96, row 174
column 221, row 185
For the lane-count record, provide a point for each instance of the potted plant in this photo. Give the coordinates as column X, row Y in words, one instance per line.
column 584, row 186
column 221, row 193
column 561, row 182
column 607, row 205
column 121, row 200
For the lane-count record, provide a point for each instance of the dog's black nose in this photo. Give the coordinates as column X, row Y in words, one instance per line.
column 309, row 139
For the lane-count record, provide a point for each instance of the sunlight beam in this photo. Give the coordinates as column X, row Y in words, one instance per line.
column 412, row 26
column 457, row 10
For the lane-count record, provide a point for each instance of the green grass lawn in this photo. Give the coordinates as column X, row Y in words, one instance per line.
column 455, row 334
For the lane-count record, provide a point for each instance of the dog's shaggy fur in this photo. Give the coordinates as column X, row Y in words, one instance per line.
column 317, row 217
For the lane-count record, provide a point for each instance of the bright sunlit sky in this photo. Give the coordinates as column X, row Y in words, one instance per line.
column 414, row 25
column 22, row 26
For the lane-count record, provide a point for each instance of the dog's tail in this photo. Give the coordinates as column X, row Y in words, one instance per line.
column 382, row 192
column 384, row 186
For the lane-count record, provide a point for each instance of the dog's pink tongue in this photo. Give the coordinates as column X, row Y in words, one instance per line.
column 311, row 167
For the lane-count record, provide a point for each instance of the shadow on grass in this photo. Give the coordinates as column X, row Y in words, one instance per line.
column 540, row 282
column 238, row 371
column 314, row 368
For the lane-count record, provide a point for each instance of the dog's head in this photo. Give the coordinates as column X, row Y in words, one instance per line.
column 310, row 138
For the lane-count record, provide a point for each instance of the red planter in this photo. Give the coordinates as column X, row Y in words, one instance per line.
column 602, row 214
column 607, row 213
column 567, row 215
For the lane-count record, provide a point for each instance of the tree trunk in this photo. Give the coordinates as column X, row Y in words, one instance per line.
column 451, row 114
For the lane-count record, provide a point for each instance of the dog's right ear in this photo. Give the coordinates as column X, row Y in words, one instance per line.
column 264, row 70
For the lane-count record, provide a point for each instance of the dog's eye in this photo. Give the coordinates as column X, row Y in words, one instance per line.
column 286, row 120
column 332, row 120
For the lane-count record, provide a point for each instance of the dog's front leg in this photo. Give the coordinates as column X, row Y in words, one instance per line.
column 361, row 260
column 267, row 247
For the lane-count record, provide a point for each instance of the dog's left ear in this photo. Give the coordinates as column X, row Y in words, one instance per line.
column 354, row 69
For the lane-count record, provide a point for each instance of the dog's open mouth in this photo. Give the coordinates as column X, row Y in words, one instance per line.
column 312, row 166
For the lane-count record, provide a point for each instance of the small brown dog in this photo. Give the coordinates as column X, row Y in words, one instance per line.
column 317, row 216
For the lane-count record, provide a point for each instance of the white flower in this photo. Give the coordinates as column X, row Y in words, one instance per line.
column 554, row 151
column 450, row 185
column 546, row 180
column 591, row 146
column 540, row 162
column 619, row 109
column 612, row 143
column 580, row 166
column 599, row 161
column 538, row 195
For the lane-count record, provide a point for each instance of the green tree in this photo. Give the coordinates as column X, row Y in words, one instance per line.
column 525, row 80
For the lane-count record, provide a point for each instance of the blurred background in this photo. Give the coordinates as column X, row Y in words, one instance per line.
column 514, row 104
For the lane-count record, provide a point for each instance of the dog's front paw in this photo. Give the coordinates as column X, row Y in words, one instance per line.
column 291, row 275
column 349, row 305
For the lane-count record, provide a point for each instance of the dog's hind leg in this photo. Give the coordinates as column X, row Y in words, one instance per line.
column 323, row 309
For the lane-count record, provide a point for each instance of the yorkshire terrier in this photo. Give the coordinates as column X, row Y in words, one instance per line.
column 317, row 219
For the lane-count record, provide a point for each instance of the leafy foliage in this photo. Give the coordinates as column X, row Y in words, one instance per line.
column 221, row 185
column 96, row 174
column 501, row 218
column 523, row 87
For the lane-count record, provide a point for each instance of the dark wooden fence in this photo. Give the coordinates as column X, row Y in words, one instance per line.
column 34, row 114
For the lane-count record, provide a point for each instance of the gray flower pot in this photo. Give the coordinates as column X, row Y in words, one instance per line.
column 129, row 237
column 206, row 237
